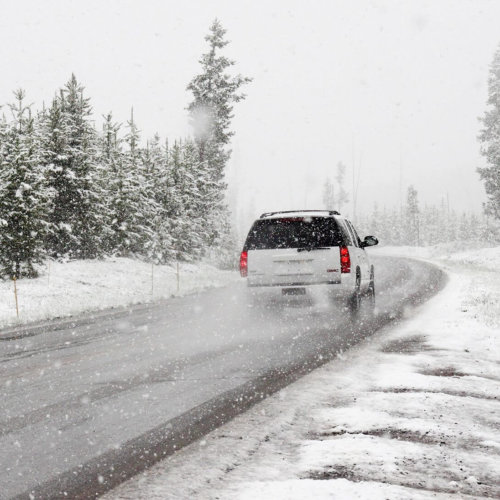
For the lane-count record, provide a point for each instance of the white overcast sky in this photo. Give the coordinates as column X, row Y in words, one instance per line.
column 396, row 86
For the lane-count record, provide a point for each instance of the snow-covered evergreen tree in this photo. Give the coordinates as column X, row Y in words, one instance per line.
column 490, row 140
column 452, row 233
column 376, row 225
column 23, row 194
column 342, row 197
column 474, row 227
column 187, row 208
column 154, row 174
column 433, row 226
column 77, row 213
column 117, row 234
column 329, row 195
column 412, row 217
column 139, row 209
column 214, row 93
column 334, row 195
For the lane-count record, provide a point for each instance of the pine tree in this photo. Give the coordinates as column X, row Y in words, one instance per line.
column 342, row 197
column 23, row 194
column 412, row 217
column 116, row 235
column 139, row 207
column 155, row 191
column 53, row 156
column 432, row 226
column 464, row 228
column 188, row 215
column 452, row 226
column 375, row 222
column 77, row 214
column 328, row 195
column 214, row 93
column 490, row 140
column 474, row 227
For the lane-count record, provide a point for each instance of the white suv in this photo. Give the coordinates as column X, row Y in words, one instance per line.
column 293, row 251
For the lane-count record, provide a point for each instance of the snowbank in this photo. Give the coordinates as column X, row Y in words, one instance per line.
column 449, row 253
column 410, row 414
column 65, row 289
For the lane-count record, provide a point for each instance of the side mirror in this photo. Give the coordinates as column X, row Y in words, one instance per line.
column 369, row 241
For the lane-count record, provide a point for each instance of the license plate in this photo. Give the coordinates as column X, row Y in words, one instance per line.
column 293, row 291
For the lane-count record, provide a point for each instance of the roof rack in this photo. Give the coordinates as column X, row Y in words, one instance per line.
column 268, row 214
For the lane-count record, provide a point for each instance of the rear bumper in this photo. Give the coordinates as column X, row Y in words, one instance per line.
column 342, row 281
column 291, row 284
column 335, row 289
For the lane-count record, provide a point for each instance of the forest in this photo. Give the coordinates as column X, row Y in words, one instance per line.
column 70, row 191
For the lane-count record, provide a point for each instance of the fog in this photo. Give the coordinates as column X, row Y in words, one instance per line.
column 393, row 89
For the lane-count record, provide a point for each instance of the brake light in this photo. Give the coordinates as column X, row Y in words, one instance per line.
column 244, row 264
column 345, row 260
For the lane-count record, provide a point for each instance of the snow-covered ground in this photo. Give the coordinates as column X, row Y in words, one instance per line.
column 65, row 289
column 412, row 413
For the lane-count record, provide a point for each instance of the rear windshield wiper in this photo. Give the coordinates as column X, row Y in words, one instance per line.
column 308, row 249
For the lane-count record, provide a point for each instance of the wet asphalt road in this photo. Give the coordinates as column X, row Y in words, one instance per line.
column 87, row 405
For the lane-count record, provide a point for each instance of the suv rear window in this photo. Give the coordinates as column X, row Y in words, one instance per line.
column 296, row 232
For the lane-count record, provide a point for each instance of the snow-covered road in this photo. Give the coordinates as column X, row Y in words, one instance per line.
column 411, row 413
column 86, row 406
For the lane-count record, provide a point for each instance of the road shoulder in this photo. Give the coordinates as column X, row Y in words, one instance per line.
column 79, row 292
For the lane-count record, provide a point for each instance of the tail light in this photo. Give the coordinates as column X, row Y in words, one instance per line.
column 244, row 264
column 345, row 260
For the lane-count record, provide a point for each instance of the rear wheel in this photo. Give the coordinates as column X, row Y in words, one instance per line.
column 371, row 290
column 367, row 308
column 354, row 303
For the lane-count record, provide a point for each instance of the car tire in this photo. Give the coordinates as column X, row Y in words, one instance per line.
column 370, row 294
column 354, row 303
